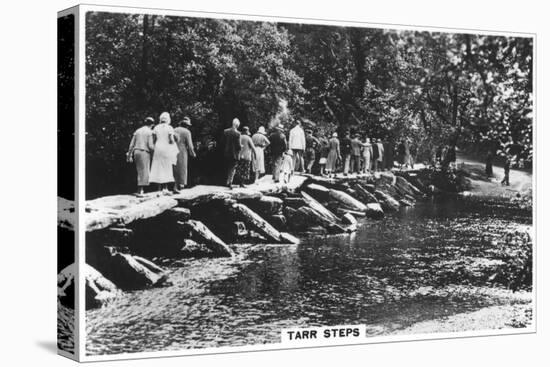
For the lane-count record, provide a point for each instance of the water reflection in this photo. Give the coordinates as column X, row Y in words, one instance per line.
column 422, row 263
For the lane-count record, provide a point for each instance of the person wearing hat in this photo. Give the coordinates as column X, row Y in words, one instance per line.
column 246, row 156
column 297, row 142
column 311, row 146
column 165, row 155
column 232, row 147
column 139, row 152
column 356, row 146
column 367, row 155
column 324, row 149
column 278, row 148
column 260, row 143
column 184, row 143
column 334, row 154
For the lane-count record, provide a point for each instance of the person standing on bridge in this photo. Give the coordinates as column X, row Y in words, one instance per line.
column 185, row 147
column 278, row 148
column 246, row 156
column 232, row 148
column 311, row 147
column 334, row 154
column 381, row 153
column 324, row 149
column 260, row 143
column 139, row 152
column 346, row 152
column 355, row 154
column 367, row 155
column 297, row 142
column 165, row 153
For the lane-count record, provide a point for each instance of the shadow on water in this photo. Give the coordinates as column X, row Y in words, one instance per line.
column 422, row 263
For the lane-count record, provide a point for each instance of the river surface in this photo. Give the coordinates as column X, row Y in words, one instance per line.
column 427, row 262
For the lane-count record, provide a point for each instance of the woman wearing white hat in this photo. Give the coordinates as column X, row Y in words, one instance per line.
column 260, row 143
column 165, row 153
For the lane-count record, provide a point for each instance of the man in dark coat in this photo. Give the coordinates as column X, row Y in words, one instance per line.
column 345, row 149
column 232, row 148
column 278, row 147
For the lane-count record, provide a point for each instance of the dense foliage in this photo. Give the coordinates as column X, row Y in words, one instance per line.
column 436, row 88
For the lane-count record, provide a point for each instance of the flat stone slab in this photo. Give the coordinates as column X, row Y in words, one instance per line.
column 121, row 210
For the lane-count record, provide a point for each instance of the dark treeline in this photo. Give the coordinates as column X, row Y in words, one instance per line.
column 466, row 90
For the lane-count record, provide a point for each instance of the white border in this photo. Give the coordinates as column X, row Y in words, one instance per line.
column 82, row 9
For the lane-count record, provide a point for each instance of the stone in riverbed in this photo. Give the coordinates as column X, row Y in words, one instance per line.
column 319, row 192
column 347, row 200
column 405, row 202
column 278, row 221
column 200, row 233
column 370, row 188
column 385, row 178
column 288, row 238
column 349, row 219
column 364, row 195
column 193, row 249
column 387, row 202
column 406, row 187
column 99, row 290
column 130, row 272
column 374, row 211
column 265, row 205
column 294, row 202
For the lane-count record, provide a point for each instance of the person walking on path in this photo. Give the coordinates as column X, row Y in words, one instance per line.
column 246, row 156
column 232, row 148
column 346, row 152
column 356, row 146
column 380, row 159
column 139, row 152
column 507, row 164
column 297, row 142
column 334, row 154
column 324, row 149
column 367, row 155
column 278, row 148
column 311, row 147
column 260, row 143
column 165, row 153
column 184, row 142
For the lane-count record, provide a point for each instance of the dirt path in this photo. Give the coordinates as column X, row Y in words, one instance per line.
column 520, row 181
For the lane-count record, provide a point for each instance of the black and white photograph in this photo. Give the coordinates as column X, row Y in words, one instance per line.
column 353, row 183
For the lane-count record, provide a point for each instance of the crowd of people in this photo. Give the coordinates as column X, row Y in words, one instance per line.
column 161, row 153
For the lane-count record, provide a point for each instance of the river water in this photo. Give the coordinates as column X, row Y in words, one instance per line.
column 427, row 262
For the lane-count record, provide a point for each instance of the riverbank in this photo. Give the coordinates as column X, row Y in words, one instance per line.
column 426, row 262
column 518, row 313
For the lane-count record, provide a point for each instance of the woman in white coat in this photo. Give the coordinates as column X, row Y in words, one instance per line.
column 165, row 153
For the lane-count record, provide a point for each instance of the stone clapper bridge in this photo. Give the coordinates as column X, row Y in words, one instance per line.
column 124, row 231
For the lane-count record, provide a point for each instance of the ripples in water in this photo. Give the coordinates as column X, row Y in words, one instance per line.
column 426, row 262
